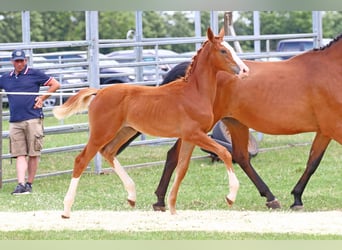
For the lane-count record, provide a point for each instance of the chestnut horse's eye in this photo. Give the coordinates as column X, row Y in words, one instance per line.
column 223, row 51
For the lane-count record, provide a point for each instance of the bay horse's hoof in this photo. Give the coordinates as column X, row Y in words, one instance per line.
column 65, row 217
column 229, row 201
column 297, row 207
column 273, row 204
column 157, row 207
column 131, row 203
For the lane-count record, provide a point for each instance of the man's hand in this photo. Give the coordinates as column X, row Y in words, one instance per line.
column 39, row 102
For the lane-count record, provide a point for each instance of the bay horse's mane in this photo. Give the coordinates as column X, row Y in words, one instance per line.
column 329, row 44
column 193, row 62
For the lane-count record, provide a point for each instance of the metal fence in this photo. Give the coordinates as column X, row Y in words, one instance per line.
column 88, row 65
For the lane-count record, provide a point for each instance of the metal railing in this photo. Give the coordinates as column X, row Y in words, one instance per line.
column 92, row 46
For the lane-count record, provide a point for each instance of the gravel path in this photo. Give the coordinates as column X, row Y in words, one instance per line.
column 327, row 222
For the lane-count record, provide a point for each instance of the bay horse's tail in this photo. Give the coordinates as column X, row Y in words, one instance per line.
column 75, row 104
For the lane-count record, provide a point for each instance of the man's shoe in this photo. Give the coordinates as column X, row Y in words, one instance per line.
column 20, row 189
column 28, row 187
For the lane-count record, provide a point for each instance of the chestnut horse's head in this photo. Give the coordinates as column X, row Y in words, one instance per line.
column 223, row 56
column 244, row 70
column 216, row 55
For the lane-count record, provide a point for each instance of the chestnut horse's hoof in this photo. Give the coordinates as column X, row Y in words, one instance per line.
column 229, row 201
column 273, row 204
column 131, row 203
column 157, row 207
column 65, row 217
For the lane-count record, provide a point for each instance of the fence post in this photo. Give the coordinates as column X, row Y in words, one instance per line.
column 92, row 33
column 317, row 28
column 1, row 141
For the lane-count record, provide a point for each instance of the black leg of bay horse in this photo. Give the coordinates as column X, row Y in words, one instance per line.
column 128, row 142
column 169, row 167
column 240, row 136
column 317, row 151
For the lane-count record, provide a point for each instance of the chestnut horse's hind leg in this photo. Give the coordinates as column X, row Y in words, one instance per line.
column 70, row 197
column 127, row 181
column 81, row 162
column 110, row 150
column 317, row 151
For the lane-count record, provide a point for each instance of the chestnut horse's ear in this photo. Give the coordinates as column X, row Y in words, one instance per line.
column 221, row 34
column 210, row 34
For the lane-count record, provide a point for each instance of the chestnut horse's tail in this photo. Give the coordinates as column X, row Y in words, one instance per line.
column 75, row 104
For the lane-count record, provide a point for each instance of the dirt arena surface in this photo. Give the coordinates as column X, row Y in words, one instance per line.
column 327, row 222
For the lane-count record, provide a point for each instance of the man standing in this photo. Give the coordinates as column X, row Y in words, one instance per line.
column 26, row 117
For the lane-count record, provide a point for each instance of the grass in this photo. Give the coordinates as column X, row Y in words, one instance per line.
column 204, row 186
column 164, row 235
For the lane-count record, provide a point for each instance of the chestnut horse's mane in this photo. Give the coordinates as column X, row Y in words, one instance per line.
column 329, row 44
column 193, row 62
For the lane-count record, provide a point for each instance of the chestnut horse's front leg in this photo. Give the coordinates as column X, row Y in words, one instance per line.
column 207, row 143
column 184, row 157
column 80, row 164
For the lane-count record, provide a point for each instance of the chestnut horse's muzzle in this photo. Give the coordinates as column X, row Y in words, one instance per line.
column 236, row 69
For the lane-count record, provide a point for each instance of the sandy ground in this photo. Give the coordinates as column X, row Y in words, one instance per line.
column 327, row 222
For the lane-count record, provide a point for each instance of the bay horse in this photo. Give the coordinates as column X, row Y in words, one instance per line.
column 182, row 109
column 301, row 94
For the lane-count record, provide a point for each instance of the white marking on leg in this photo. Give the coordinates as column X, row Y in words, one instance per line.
column 126, row 180
column 70, row 196
column 233, row 186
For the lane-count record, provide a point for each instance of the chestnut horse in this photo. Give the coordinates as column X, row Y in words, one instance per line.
column 182, row 109
column 301, row 94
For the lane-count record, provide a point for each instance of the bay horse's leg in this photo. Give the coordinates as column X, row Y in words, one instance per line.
column 202, row 140
column 184, row 157
column 109, row 151
column 80, row 164
column 125, row 145
column 240, row 136
column 169, row 167
column 317, row 151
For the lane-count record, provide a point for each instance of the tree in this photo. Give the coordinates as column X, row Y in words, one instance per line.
column 70, row 25
column 332, row 24
column 273, row 22
column 115, row 24
column 10, row 27
column 179, row 25
column 44, row 26
column 57, row 26
column 285, row 22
